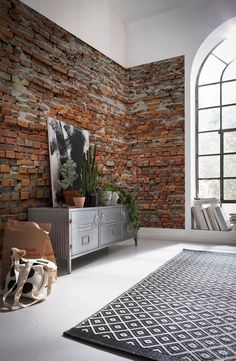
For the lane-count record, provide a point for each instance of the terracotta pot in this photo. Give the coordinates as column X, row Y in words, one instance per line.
column 68, row 196
column 79, row 201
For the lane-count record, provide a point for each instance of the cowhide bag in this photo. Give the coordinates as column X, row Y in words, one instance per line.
column 28, row 278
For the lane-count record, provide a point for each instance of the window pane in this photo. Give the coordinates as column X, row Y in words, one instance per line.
column 209, row 167
column 230, row 165
column 230, row 142
column 209, row 188
column 209, row 119
column 229, row 117
column 230, row 72
column 209, row 143
column 226, row 50
column 230, row 189
column 209, row 96
column 211, row 70
column 229, row 92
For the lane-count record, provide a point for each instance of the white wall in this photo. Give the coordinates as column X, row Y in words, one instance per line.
column 92, row 21
column 176, row 32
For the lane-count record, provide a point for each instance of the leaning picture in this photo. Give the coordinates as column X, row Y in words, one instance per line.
column 66, row 142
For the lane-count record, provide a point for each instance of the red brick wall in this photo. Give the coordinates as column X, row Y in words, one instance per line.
column 156, row 147
column 135, row 116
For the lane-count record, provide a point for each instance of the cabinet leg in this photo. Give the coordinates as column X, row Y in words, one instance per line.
column 69, row 265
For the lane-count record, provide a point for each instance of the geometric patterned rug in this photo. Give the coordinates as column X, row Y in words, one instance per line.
column 183, row 311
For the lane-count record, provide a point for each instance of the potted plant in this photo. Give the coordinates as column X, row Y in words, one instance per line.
column 68, row 175
column 126, row 198
column 89, row 177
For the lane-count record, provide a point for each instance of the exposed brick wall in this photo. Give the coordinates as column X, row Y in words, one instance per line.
column 135, row 116
column 156, row 147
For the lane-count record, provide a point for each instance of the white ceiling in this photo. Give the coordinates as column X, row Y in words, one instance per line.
column 130, row 11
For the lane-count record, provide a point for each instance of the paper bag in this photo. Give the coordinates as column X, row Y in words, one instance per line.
column 30, row 236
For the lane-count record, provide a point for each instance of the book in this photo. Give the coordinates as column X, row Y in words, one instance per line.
column 199, row 218
column 201, row 201
column 212, row 218
column 224, row 222
column 221, row 226
column 207, row 219
column 195, row 217
column 232, row 216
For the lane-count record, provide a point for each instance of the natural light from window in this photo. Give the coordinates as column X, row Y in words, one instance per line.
column 216, row 124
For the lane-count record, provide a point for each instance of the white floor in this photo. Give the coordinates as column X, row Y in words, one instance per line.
column 35, row 333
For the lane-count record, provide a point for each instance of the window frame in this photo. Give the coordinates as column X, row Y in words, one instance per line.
column 220, row 131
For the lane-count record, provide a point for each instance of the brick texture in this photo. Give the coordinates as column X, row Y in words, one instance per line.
column 135, row 116
column 156, row 141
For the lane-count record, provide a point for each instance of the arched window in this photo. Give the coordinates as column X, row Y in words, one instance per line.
column 216, row 124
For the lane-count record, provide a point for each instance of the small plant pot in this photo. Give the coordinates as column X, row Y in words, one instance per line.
column 91, row 200
column 79, row 201
column 105, row 198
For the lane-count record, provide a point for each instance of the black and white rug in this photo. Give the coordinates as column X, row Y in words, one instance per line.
column 184, row 311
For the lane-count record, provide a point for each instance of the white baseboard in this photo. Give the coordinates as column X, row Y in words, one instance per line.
column 193, row 235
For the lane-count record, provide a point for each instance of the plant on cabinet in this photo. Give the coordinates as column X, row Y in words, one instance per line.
column 89, row 177
column 126, row 198
column 68, row 175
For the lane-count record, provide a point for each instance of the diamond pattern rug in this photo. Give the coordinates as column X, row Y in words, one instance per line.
column 183, row 311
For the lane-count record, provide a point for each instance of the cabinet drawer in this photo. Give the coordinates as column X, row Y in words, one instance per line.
column 84, row 231
column 110, row 226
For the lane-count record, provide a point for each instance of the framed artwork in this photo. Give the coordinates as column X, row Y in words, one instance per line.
column 65, row 142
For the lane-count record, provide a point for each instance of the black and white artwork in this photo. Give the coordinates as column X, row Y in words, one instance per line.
column 65, row 142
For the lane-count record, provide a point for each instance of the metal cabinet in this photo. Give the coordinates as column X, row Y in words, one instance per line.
column 78, row 231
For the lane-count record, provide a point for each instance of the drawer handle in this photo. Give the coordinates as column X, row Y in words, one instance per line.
column 85, row 227
column 102, row 219
column 110, row 222
column 96, row 220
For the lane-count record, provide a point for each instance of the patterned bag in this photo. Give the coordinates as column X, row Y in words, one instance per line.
column 28, row 278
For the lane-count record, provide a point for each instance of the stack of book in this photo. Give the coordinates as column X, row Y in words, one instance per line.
column 208, row 215
column 232, row 219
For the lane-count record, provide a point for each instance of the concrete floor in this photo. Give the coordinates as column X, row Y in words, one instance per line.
column 35, row 333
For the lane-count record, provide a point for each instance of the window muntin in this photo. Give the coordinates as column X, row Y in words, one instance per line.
column 229, row 117
column 209, row 119
column 230, row 189
column 229, row 142
column 230, row 72
column 209, row 188
column 209, row 143
column 209, row 95
column 212, row 70
column 209, row 166
column 226, row 51
column 216, row 125
column 229, row 92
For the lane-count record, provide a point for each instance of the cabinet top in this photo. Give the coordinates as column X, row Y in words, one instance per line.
column 73, row 208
